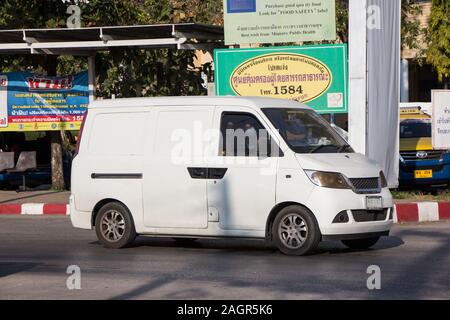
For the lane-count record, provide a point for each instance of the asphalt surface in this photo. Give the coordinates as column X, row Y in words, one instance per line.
column 35, row 252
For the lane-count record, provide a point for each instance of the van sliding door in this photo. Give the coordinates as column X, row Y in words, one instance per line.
column 174, row 189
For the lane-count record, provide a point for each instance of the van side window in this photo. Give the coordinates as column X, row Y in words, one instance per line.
column 242, row 135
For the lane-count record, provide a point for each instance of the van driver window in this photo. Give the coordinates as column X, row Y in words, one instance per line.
column 243, row 135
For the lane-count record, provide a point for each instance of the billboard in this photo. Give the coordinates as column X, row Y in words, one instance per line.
column 440, row 100
column 315, row 75
column 31, row 102
column 277, row 21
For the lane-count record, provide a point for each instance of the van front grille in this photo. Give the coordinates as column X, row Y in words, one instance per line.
column 366, row 185
column 369, row 215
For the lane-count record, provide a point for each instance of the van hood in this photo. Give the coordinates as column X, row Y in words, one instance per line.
column 352, row 165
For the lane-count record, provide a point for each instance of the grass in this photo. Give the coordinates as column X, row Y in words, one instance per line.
column 421, row 195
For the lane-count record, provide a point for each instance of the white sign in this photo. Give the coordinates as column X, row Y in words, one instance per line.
column 440, row 100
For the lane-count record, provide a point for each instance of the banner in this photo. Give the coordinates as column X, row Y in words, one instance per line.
column 440, row 100
column 315, row 75
column 383, row 88
column 275, row 21
column 31, row 102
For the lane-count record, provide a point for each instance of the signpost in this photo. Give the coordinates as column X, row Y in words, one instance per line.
column 440, row 100
column 277, row 21
column 315, row 75
column 35, row 103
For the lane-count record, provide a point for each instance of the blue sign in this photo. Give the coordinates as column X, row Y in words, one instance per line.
column 238, row 6
column 31, row 102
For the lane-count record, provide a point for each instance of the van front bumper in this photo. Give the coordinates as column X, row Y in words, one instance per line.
column 327, row 203
column 354, row 236
column 79, row 219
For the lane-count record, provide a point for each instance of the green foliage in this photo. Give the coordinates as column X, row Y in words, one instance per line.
column 438, row 52
column 421, row 195
column 411, row 30
column 342, row 20
column 113, row 13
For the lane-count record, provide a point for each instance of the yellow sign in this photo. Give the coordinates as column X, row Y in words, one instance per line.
column 282, row 75
column 42, row 126
column 419, row 174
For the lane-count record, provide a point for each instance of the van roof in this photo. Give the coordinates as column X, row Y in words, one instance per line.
column 256, row 102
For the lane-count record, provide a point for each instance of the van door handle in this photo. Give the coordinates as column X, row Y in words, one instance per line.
column 216, row 173
column 198, row 173
column 205, row 173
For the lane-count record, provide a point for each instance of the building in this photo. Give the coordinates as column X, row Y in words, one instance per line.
column 418, row 78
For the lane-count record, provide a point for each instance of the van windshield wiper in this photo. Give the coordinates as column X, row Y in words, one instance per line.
column 317, row 148
column 339, row 148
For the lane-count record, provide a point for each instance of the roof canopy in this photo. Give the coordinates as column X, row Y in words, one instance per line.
column 86, row 41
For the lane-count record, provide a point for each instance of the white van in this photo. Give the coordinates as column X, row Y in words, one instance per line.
column 202, row 167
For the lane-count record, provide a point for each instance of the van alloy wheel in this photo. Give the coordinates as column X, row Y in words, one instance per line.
column 293, row 231
column 113, row 225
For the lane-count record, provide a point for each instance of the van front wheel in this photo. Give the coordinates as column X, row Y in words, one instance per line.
column 114, row 226
column 295, row 231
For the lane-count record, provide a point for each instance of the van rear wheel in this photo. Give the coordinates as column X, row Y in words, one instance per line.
column 361, row 244
column 295, row 231
column 114, row 226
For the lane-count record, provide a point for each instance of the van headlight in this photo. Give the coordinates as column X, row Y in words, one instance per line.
column 328, row 179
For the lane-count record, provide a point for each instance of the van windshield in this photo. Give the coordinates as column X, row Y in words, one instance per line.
column 305, row 131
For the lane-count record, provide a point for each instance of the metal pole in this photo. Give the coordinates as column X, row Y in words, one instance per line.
column 91, row 77
column 332, row 118
column 404, row 80
column 357, row 107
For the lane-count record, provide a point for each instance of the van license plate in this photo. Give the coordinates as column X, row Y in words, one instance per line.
column 420, row 174
column 374, row 203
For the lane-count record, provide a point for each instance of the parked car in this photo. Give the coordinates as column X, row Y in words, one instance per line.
column 420, row 164
column 178, row 167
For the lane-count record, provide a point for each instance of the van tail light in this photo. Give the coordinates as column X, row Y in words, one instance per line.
column 77, row 148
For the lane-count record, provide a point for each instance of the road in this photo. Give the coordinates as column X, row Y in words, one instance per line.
column 35, row 252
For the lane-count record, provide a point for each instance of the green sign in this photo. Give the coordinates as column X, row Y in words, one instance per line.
column 315, row 75
column 277, row 21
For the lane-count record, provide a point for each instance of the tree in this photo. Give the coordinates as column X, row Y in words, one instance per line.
column 411, row 31
column 438, row 52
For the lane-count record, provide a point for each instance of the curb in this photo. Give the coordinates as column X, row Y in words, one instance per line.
column 422, row 211
column 403, row 212
column 34, row 208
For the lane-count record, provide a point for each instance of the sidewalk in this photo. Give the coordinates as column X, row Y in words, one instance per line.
column 34, row 202
column 42, row 196
column 56, row 202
